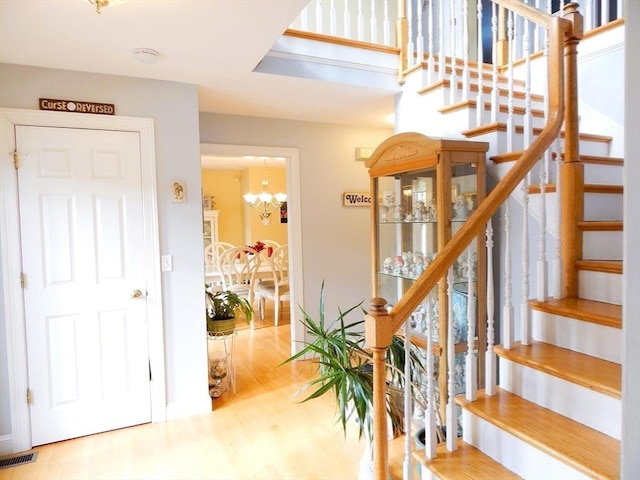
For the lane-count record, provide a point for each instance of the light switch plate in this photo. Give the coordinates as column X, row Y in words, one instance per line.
column 166, row 263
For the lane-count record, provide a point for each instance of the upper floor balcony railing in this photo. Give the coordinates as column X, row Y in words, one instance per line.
column 437, row 26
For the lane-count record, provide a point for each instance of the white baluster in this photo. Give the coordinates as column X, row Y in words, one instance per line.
column 333, row 23
column 347, row 20
column 419, row 35
column 319, row 27
column 407, row 466
column 604, row 12
column 386, row 25
column 507, row 309
column 525, row 321
column 619, row 7
column 541, row 273
column 465, row 50
column 411, row 48
column 453, row 78
column 304, row 19
column 494, row 89
column 431, row 61
column 373, row 23
column 528, row 116
column 490, row 356
column 442, row 63
column 452, row 417
column 480, row 96
column 588, row 16
column 360, row 22
column 537, row 32
column 511, row 49
column 471, row 363
column 430, row 440
column 557, row 261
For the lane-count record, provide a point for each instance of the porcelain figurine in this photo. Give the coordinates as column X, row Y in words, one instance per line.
column 460, row 208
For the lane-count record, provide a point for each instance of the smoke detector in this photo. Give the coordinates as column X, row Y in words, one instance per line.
column 145, row 55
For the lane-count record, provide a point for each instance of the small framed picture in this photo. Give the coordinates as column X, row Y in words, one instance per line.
column 179, row 191
column 206, row 202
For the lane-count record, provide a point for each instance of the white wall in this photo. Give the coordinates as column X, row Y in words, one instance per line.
column 336, row 240
column 630, row 465
column 174, row 109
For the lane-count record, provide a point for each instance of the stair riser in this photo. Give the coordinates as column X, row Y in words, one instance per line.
column 603, row 206
column 600, row 286
column 596, row 410
column 603, row 174
column 584, row 337
column 602, row 245
column 515, row 454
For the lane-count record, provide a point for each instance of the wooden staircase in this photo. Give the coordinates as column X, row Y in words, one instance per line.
column 557, row 412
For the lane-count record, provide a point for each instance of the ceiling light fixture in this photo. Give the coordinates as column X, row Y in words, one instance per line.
column 104, row 3
column 265, row 203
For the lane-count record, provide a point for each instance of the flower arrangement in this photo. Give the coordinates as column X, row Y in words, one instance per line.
column 258, row 246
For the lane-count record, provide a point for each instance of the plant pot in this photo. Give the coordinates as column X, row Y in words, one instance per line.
column 222, row 326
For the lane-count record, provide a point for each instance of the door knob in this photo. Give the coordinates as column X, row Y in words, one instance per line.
column 136, row 294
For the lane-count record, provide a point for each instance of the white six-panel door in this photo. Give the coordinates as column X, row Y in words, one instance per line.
column 83, row 260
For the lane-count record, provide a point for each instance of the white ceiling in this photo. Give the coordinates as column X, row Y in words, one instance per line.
column 215, row 44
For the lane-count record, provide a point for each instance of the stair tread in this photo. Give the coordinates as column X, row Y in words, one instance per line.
column 588, row 188
column 502, row 127
column 466, row 463
column 591, row 159
column 607, row 266
column 600, row 225
column 583, row 448
column 590, row 372
column 600, row 313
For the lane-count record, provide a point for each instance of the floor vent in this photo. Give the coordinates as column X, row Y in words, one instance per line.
column 18, row 460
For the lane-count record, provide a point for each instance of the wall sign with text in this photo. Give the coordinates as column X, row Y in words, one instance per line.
column 77, row 106
column 356, row 199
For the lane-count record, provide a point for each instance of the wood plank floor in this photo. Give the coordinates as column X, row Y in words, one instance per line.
column 262, row 432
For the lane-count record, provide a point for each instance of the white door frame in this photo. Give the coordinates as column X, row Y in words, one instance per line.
column 11, row 255
column 294, row 225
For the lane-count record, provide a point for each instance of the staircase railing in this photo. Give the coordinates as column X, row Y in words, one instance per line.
column 563, row 34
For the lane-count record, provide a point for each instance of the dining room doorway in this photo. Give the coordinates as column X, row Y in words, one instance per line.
column 243, row 155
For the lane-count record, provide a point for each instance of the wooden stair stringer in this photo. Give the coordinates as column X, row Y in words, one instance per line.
column 581, row 448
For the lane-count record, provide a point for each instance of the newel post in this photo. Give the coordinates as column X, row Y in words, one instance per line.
column 572, row 169
column 378, row 336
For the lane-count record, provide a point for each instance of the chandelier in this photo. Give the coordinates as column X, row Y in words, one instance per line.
column 104, row 3
column 265, row 203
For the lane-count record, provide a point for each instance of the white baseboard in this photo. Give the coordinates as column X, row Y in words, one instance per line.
column 6, row 444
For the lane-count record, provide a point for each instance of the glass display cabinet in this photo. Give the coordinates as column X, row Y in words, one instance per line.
column 424, row 189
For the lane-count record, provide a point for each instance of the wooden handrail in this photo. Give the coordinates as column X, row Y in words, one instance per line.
column 559, row 28
column 380, row 327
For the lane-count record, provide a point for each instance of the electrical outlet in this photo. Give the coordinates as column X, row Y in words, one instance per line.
column 167, row 263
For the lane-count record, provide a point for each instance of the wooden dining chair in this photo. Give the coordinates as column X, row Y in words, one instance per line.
column 212, row 255
column 277, row 287
column 238, row 266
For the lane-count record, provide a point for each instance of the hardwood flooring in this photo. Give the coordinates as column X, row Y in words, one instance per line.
column 262, row 432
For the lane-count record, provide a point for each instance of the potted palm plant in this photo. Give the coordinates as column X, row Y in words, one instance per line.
column 221, row 309
column 345, row 370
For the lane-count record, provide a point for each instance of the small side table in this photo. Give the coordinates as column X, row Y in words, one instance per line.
column 222, row 372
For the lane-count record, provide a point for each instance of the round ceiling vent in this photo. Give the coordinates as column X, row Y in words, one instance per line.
column 145, row 55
